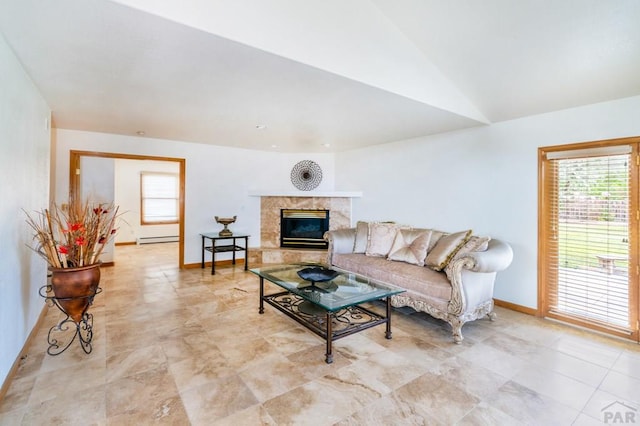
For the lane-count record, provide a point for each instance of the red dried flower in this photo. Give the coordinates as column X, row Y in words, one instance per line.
column 63, row 249
column 76, row 227
column 80, row 241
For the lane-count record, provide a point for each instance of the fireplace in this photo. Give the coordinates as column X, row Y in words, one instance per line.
column 303, row 228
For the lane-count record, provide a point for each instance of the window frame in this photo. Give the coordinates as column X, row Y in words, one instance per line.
column 176, row 177
column 545, row 237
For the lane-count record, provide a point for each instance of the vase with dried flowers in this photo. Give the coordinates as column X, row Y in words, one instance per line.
column 71, row 240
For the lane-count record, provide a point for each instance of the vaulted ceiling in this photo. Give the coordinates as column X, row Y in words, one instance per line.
column 319, row 75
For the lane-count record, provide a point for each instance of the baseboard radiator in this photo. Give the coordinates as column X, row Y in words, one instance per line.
column 154, row 240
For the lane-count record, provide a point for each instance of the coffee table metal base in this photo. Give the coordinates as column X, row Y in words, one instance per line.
column 328, row 325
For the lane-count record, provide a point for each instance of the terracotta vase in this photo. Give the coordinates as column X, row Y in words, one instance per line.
column 74, row 288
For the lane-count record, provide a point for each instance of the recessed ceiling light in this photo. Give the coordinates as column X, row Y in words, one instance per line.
column 326, row 145
column 261, row 127
column 274, row 146
column 140, row 133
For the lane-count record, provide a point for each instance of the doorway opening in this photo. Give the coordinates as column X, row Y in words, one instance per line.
column 77, row 158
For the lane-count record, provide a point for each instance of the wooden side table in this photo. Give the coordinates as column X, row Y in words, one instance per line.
column 214, row 248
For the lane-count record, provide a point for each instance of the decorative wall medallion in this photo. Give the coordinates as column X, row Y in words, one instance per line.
column 306, row 175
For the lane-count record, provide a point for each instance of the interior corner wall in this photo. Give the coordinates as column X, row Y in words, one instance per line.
column 25, row 139
column 485, row 178
column 218, row 179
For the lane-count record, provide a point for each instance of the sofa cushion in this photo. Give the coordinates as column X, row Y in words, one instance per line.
column 445, row 249
column 411, row 277
column 381, row 236
column 362, row 237
column 410, row 246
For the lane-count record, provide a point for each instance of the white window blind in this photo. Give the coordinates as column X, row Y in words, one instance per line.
column 159, row 198
column 586, row 264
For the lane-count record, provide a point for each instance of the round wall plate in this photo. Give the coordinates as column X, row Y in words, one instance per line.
column 306, row 175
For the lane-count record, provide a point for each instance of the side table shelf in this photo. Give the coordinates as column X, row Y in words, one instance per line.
column 224, row 248
column 84, row 328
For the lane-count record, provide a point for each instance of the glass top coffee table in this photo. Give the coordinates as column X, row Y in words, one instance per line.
column 328, row 302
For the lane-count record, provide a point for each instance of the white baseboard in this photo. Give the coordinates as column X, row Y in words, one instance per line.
column 153, row 240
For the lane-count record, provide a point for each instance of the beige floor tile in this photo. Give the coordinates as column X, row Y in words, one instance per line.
column 53, row 384
column 495, row 360
column 529, row 407
column 561, row 388
column 136, row 361
column 323, row 401
column 387, row 410
column 217, row 399
column 254, row 415
column 272, row 376
column 311, row 361
column 200, row 368
column 17, row 396
column 588, row 350
column 72, row 406
column 628, row 363
column 388, row 368
column 486, row 415
column 583, row 371
column 12, row 418
column 144, row 392
column 474, row 379
column 294, row 340
column 623, row 386
column 431, row 396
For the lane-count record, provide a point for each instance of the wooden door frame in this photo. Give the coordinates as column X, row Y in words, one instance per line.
column 74, row 183
column 634, row 231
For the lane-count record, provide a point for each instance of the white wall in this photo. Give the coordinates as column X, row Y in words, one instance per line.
column 483, row 178
column 24, row 173
column 218, row 179
column 97, row 180
column 127, row 197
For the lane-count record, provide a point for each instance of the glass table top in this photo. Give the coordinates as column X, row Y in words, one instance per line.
column 346, row 289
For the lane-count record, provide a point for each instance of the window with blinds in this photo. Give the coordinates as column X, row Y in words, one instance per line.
column 585, row 250
column 159, row 194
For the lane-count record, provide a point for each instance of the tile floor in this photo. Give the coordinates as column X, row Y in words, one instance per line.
column 184, row 347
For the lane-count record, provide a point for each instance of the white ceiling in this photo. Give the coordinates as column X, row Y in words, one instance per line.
column 348, row 74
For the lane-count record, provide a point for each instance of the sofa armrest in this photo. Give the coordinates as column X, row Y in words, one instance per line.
column 340, row 241
column 497, row 257
column 472, row 276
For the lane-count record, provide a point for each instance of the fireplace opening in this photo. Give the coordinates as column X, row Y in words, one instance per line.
column 303, row 228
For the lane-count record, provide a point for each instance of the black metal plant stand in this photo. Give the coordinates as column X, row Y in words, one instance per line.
column 84, row 328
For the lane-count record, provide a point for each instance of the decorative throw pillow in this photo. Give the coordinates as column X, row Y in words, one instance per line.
column 410, row 246
column 445, row 249
column 474, row 243
column 362, row 237
column 435, row 237
column 381, row 236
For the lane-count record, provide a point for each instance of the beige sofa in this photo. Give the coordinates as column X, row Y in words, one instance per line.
column 448, row 276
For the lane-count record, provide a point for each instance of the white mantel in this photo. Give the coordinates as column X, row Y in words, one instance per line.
column 332, row 194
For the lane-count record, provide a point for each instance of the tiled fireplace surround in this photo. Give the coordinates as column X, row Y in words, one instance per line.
column 270, row 251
